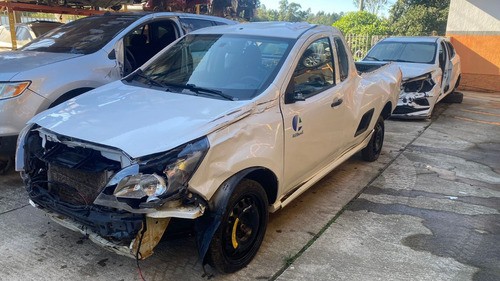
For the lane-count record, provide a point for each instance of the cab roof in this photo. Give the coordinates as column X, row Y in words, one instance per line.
column 269, row 29
column 412, row 39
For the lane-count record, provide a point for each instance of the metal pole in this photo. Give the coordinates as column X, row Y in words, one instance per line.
column 12, row 26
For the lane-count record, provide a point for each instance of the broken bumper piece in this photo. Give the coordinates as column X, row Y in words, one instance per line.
column 146, row 238
column 93, row 236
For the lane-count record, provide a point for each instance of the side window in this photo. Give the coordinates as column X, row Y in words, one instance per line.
column 147, row 40
column 451, row 49
column 23, row 34
column 442, row 56
column 343, row 59
column 4, row 34
column 315, row 71
column 194, row 24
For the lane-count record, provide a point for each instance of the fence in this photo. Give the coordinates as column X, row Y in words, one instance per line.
column 360, row 44
column 29, row 16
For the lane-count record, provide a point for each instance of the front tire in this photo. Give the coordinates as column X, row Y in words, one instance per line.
column 454, row 97
column 372, row 151
column 242, row 229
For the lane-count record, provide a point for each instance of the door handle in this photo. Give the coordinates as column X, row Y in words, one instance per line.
column 337, row 102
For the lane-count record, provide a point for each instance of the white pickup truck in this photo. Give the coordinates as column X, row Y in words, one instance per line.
column 80, row 56
column 431, row 72
column 221, row 127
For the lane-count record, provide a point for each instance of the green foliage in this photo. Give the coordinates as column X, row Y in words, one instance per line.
column 293, row 12
column 361, row 23
column 419, row 17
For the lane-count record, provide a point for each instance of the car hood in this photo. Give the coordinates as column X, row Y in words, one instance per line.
column 411, row 70
column 13, row 62
column 140, row 121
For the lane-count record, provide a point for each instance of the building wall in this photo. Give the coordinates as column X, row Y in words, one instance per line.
column 474, row 28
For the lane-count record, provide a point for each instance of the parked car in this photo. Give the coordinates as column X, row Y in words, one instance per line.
column 431, row 71
column 25, row 32
column 80, row 56
column 220, row 127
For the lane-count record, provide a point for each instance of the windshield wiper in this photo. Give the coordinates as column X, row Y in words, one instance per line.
column 372, row 58
column 193, row 88
column 151, row 81
column 200, row 90
column 197, row 90
column 399, row 60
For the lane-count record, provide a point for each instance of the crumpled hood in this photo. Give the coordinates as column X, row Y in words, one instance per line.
column 138, row 120
column 13, row 62
column 411, row 70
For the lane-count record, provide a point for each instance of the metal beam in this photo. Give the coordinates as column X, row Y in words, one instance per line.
column 12, row 27
column 16, row 6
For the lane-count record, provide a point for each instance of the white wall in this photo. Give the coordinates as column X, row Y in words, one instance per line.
column 474, row 17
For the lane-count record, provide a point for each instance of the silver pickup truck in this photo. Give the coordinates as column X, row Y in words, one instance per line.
column 80, row 56
column 220, row 128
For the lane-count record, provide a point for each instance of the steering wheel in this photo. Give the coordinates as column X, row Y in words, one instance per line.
column 130, row 64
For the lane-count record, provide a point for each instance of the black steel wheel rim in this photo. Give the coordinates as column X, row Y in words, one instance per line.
column 378, row 138
column 242, row 228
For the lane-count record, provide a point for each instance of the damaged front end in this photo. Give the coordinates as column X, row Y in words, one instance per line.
column 121, row 203
column 417, row 98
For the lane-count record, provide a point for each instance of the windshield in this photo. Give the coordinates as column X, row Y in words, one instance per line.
column 413, row 52
column 219, row 66
column 83, row 36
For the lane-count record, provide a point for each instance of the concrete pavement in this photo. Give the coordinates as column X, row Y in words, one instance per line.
column 432, row 214
column 426, row 210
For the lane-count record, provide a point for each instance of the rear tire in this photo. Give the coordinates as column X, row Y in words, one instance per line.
column 242, row 229
column 372, row 151
column 454, row 97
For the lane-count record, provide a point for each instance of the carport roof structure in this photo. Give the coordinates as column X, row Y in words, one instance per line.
column 17, row 6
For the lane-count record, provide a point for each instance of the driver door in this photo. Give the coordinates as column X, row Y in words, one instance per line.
column 314, row 113
column 446, row 67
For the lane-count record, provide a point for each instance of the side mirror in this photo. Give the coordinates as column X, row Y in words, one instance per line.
column 118, row 53
column 112, row 55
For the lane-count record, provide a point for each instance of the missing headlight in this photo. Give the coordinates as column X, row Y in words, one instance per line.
column 420, row 84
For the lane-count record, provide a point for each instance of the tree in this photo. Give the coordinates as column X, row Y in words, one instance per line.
column 293, row 12
column 419, row 17
column 323, row 18
column 372, row 6
column 361, row 23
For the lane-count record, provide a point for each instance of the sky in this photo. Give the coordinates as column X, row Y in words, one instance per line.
column 328, row 6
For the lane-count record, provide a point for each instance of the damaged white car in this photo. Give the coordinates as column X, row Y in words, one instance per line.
column 223, row 126
column 431, row 71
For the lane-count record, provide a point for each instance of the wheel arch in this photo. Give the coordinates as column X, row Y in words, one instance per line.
column 387, row 110
column 268, row 180
column 69, row 95
column 206, row 225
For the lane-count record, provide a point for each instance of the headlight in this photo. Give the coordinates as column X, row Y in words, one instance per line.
column 139, row 186
column 12, row 89
column 165, row 175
